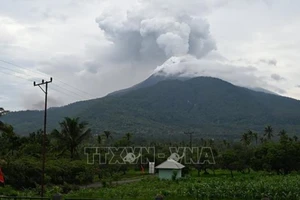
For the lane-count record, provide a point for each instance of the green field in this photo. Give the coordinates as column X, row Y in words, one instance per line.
column 219, row 186
column 255, row 185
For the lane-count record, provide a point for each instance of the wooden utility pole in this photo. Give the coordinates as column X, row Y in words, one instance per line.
column 45, row 131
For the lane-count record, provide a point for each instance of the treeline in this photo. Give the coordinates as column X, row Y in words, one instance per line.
column 66, row 163
column 273, row 154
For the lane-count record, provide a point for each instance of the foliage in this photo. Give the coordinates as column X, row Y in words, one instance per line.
column 251, row 187
column 72, row 134
column 276, row 153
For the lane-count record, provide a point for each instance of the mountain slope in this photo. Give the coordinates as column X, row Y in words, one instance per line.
column 209, row 106
column 158, row 77
column 150, row 81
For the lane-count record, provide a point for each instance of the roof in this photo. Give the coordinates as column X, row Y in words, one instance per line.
column 170, row 164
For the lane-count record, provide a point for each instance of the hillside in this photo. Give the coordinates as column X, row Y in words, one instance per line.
column 152, row 80
column 209, row 106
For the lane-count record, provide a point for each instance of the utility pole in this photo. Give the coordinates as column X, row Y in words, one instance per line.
column 191, row 135
column 45, row 129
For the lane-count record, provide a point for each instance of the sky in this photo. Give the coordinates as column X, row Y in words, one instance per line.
column 94, row 47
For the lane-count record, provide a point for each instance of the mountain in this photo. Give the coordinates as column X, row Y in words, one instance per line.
column 258, row 89
column 209, row 106
column 160, row 76
column 152, row 80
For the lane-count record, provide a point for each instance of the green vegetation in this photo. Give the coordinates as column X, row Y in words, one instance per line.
column 210, row 106
column 259, row 164
column 254, row 186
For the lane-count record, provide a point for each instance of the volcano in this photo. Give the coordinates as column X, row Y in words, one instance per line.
column 161, row 104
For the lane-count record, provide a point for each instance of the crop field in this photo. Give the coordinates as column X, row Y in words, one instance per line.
column 254, row 186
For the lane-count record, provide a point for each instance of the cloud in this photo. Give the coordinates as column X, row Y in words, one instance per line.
column 257, row 62
column 153, row 31
column 62, row 64
column 269, row 61
column 190, row 66
column 129, row 40
column 92, row 68
column 277, row 77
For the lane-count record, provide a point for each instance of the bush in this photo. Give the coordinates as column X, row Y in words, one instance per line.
column 8, row 191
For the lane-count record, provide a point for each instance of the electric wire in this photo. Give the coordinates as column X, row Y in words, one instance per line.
column 44, row 74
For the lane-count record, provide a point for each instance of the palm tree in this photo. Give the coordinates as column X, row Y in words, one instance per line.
column 283, row 136
column 246, row 139
column 282, row 133
column 72, row 134
column 128, row 137
column 255, row 136
column 268, row 132
column 99, row 139
column 262, row 140
column 107, row 134
column 295, row 138
column 250, row 135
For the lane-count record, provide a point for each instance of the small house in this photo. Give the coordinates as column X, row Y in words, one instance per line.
column 169, row 168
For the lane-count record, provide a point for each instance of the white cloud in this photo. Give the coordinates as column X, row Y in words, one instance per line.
column 98, row 47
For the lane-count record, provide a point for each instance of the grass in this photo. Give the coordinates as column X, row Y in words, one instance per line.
column 220, row 186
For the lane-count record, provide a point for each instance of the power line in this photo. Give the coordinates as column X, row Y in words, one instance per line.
column 75, row 88
column 12, row 73
column 10, row 69
column 57, row 89
column 70, row 91
column 44, row 74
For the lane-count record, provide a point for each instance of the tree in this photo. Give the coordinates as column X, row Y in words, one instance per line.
column 246, row 140
column 3, row 111
column 9, row 139
column 107, row 134
column 71, row 135
column 229, row 160
column 128, row 136
column 268, row 132
column 4, row 127
column 255, row 136
column 283, row 136
column 99, row 139
column 282, row 133
column 295, row 138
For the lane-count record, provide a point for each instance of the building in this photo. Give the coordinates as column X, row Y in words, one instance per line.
column 167, row 169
